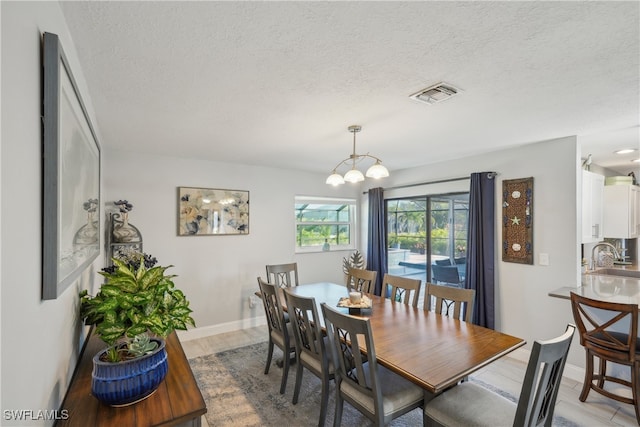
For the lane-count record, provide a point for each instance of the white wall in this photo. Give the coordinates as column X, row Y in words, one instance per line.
column 218, row 273
column 39, row 339
column 523, row 307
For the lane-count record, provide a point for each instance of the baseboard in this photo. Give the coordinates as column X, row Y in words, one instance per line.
column 207, row 331
column 572, row 372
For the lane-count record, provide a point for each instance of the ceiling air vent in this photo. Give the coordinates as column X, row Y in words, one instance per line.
column 436, row 93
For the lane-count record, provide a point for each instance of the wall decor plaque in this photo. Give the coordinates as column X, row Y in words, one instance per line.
column 212, row 211
column 517, row 220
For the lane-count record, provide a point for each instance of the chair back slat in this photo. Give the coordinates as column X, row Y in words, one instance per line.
column 348, row 335
column 446, row 298
column 272, row 307
column 360, row 280
column 403, row 289
column 283, row 275
column 306, row 325
column 542, row 380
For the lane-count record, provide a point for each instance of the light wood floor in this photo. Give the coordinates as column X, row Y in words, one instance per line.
column 506, row 374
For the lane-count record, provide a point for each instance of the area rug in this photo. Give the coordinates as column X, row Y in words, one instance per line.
column 238, row 393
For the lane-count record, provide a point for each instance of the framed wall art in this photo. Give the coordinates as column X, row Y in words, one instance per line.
column 71, row 176
column 517, row 220
column 212, row 211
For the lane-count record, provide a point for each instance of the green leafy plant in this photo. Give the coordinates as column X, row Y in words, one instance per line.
column 136, row 298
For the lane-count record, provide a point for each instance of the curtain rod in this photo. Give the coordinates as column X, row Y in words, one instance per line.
column 490, row 175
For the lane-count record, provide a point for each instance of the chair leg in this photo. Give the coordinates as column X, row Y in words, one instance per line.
column 635, row 389
column 285, row 371
column 324, row 401
column 269, row 355
column 603, row 372
column 296, row 390
column 337, row 420
column 588, row 377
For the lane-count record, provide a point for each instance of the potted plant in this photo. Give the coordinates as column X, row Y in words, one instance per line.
column 136, row 308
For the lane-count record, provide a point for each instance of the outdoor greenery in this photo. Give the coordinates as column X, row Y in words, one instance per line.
column 319, row 223
column 408, row 227
column 314, row 235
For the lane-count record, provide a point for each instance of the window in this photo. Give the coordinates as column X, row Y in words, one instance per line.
column 427, row 230
column 324, row 224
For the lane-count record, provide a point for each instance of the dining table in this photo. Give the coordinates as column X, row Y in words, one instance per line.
column 431, row 350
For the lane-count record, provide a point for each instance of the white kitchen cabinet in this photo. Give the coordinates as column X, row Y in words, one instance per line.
column 621, row 211
column 592, row 202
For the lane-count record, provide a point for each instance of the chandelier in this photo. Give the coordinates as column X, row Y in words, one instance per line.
column 376, row 171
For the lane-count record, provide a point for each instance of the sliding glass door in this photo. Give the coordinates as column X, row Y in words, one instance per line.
column 428, row 231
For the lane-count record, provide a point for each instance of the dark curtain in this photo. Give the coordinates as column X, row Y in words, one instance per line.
column 377, row 245
column 480, row 274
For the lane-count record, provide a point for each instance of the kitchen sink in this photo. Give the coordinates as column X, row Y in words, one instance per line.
column 618, row 272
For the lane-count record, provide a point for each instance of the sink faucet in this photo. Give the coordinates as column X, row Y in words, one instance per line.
column 616, row 255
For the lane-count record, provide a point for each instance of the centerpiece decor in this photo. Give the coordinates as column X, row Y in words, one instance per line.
column 136, row 308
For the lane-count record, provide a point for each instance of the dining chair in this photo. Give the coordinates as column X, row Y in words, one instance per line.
column 279, row 330
column 446, row 274
column 442, row 298
column 361, row 280
column 461, row 260
column 601, row 325
column 402, row 288
column 311, row 347
column 378, row 393
column 281, row 274
column 469, row 404
column 446, row 261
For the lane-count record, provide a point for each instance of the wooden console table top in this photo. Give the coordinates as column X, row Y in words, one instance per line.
column 178, row 400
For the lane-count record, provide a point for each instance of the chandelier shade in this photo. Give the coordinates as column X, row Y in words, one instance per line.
column 376, row 171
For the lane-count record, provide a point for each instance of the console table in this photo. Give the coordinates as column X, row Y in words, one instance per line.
column 177, row 402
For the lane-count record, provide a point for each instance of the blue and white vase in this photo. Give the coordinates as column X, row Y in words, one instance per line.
column 130, row 381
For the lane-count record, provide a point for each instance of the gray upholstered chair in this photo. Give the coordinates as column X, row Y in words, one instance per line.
column 403, row 289
column 279, row 329
column 441, row 298
column 602, row 338
column 469, row 404
column 361, row 280
column 311, row 347
column 283, row 275
column 375, row 391
column 446, row 274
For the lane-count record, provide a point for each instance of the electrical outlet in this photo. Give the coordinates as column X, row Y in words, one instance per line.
column 252, row 301
column 543, row 259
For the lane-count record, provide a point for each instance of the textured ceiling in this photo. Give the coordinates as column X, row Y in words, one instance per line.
column 278, row 83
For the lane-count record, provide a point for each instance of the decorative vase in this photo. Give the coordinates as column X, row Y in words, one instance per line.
column 87, row 235
column 123, row 232
column 130, row 381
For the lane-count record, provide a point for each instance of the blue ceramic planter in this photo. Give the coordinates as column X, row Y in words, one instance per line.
column 124, row 383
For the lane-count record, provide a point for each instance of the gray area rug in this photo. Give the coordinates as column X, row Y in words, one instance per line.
column 237, row 393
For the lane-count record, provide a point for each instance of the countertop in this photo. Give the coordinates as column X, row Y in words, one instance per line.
column 605, row 287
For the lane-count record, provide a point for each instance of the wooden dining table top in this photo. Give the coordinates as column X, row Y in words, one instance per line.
column 429, row 349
